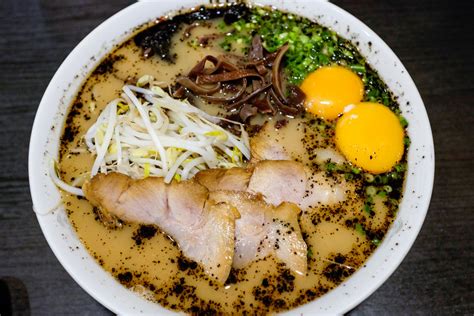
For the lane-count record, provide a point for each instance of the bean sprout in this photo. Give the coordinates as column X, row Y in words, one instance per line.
column 146, row 132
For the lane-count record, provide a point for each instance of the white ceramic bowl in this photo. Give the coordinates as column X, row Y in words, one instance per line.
column 67, row 80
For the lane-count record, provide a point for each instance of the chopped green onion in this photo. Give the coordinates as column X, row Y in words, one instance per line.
column 370, row 190
column 382, row 193
column 358, row 68
column 331, row 166
column 311, row 45
column 367, row 208
column 360, row 229
column 403, row 121
column 400, row 167
column 392, row 175
column 406, row 141
column 387, row 188
column 369, row 177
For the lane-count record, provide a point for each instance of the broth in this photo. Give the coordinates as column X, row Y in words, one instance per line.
column 340, row 237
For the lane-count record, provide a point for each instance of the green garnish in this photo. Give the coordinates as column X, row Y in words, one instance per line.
column 403, row 121
column 360, row 229
column 311, row 45
column 400, row 167
column 360, row 69
column 368, row 208
column 310, row 253
column 387, row 188
column 348, row 176
column 382, row 193
column 331, row 166
column 406, row 141
column 369, row 177
column 370, row 190
column 376, row 241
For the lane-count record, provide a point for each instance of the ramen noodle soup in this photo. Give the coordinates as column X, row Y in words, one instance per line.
column 232, row 159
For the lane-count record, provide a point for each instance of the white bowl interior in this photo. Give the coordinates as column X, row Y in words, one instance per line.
column 69, row 77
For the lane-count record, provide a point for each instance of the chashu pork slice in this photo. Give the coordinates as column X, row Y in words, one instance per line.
column 290, row 181
column 276, row 186
column 233, row 179
column 276, row 180
column 203, row 228
column 264, row 230
column 324, row 190
column 279, row 181
column 264, row 148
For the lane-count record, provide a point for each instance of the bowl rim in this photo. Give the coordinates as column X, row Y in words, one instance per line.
column 42, row 142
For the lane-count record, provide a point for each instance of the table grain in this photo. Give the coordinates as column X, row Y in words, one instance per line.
column 434, row 40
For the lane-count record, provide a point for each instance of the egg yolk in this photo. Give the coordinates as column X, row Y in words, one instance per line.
column 371, row 137
column 330, row 89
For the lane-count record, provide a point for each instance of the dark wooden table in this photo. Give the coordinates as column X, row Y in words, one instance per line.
column 435, row 41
